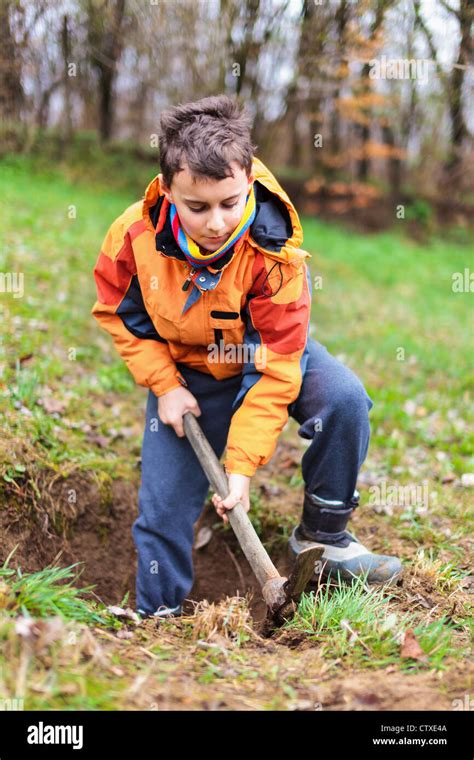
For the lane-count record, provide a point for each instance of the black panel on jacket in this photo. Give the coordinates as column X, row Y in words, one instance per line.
column 134, row 314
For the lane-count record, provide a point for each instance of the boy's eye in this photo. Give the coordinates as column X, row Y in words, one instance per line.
column 203, row 208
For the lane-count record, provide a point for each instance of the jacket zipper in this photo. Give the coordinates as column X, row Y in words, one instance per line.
column 188, row 279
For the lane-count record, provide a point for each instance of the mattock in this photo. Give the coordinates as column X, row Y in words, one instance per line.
column 281, row 594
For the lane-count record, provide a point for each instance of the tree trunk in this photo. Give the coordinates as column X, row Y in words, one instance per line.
column 11, row 88
column 363, row 165
column 105, row 39
column 394, row 163
column 459, row 131
column 342, row 18
column 42, row 114
column 65, row 46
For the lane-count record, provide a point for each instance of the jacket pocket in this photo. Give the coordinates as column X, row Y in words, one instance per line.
column 226, row 326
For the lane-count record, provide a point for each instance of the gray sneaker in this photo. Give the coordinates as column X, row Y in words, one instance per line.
column 163, row 612
column 323, row 523
column 351, row 561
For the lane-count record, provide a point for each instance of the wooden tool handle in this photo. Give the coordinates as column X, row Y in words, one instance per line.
column 257, row 557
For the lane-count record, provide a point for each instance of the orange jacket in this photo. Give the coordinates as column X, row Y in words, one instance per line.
column 253, row 304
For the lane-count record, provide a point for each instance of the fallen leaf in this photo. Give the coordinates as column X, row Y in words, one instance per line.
column 448, row 478
column 203, row 537
column 52, row 405
column 99, row 440
column 411, row 648
column 468, row 582
column 270, row 490
column 125, row 432
column 288, row 462
column 36, row 324
column 40, row 633
column 423, row 600
column 367, row 478
column 368, row 698
column 121, row 612
column 23, row 409
column 69, row 688
column 124, row 634
column 383, row 509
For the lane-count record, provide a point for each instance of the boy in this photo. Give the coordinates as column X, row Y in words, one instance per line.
column 207, row 294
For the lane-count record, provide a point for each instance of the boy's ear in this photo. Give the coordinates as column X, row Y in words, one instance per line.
column 164, row 189
column 250, row 181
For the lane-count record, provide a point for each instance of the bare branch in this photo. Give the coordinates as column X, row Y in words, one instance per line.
column 429, row 38
column 448, row 8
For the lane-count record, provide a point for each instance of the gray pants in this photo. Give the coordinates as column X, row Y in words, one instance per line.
column 332, row 411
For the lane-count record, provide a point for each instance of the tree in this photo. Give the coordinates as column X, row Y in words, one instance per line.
column 453, row 83
column 363, row 166
column 11, row 87
column 104, row 31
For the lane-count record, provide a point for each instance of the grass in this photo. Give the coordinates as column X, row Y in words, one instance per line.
column 47, row 593
column 51, row 351
column 357, row 622
column 403, row 330
column 272, row 527
column 444, row 576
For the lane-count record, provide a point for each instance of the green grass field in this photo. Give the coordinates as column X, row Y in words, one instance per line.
column 384, row 305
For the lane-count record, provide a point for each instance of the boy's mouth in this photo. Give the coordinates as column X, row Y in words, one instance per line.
column 216, row 239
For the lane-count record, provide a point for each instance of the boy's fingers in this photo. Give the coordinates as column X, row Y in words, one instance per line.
column 196, row 410
column 231, row 500
column 228, row 503
column 179, row 429
column 222, row 505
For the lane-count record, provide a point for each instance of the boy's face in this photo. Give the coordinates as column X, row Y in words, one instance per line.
column 209, row 208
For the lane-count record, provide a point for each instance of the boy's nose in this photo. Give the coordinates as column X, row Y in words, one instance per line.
column 215, row 225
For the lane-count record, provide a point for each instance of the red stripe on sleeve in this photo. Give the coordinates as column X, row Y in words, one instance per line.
column 283, row 327
column 112, row 276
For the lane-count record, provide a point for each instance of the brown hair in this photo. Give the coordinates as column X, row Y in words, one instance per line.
column 208, row 134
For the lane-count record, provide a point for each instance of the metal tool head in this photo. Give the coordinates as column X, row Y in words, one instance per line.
column 282, row 594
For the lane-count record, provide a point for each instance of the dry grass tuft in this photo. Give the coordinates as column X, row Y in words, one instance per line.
column 439, row 575
column 229, row 618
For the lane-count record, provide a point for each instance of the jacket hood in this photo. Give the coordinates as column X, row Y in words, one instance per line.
column 276, row 230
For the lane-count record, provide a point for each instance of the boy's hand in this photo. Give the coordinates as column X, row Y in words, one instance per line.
column 239, row 490
column 172, row 406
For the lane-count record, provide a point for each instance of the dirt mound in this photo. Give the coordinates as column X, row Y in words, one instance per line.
column 98, row 534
